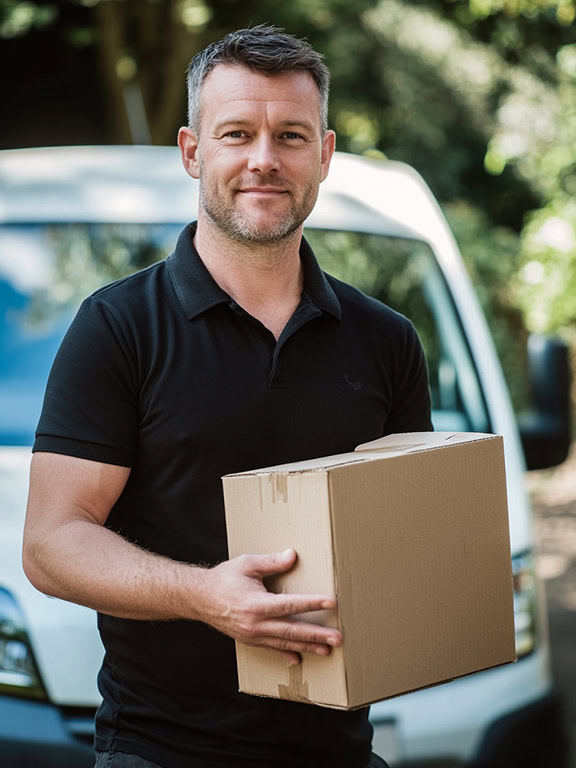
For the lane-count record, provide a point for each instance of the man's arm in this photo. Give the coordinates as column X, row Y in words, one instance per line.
column 411, row 407
column 68, row 553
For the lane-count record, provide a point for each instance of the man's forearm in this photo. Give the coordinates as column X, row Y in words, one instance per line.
column 70, row 554
column 85, row 563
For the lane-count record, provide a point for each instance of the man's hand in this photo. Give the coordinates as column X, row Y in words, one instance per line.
column 237, row 603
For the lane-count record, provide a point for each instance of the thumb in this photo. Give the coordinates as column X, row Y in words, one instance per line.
column 277, row 562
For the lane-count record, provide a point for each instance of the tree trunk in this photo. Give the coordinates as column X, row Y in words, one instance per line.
column 110, row 20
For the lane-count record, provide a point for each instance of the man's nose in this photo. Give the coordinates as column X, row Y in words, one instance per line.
column 264, row 156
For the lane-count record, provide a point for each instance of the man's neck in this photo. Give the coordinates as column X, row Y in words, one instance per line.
column 265, row 279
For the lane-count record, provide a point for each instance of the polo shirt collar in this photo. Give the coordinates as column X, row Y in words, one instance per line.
column 194, row 285
column 316, row 285
column 198, row 291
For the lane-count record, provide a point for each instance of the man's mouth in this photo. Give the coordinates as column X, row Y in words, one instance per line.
column 263, row 191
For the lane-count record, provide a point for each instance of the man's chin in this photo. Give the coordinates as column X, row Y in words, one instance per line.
column 258, row 233
column 254, row 236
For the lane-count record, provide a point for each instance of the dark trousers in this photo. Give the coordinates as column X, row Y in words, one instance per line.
column 122, row 760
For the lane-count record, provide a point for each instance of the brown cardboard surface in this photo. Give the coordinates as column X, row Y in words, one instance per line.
column 413, row 539
column 277, row 511
column 422, row 591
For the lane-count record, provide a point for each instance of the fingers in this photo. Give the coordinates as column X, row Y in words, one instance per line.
column 239, row 605
column 260, row 566
column 287, row 605
column 301, row 632
column 285, row 634
column 291, row 647
column 293, row 637
column 291, row 658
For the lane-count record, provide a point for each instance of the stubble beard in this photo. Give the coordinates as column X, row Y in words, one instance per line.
column 232, row 222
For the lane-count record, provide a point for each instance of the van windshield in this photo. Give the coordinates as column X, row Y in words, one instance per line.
column 45, row 272
column 47, row 269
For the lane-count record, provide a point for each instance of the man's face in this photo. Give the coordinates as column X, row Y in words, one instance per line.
column 261, row 153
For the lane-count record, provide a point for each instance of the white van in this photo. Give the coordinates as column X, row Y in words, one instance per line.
column 72, row 219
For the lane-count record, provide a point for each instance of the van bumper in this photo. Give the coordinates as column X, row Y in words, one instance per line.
column 40, row 734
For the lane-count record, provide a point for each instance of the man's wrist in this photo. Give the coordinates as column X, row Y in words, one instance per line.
column 193, row 587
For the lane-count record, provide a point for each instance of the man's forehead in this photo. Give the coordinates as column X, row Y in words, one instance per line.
column 236, row 82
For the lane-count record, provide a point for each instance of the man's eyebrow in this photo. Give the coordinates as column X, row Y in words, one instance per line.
column 230, row 121
column 297, row 124
column 240, row 122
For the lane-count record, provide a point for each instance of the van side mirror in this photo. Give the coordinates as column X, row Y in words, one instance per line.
column 546, row 428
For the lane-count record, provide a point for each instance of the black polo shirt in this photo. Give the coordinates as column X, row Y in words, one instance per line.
column 164, row 373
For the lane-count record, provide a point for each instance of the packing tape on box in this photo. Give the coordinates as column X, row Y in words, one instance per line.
column 279, row 488
column 297, row 688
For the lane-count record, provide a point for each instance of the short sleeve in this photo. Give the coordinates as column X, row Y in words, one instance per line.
column 90, row 407
column 411, row 409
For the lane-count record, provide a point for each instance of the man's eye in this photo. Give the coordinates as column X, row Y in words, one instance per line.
column 235, row 134
column 292, row 135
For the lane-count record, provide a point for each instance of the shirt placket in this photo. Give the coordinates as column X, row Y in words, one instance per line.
column 274, row 352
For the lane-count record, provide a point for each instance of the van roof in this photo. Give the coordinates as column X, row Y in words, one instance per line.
column 149, row 184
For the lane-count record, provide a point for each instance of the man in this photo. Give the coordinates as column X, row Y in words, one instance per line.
column 235, row 352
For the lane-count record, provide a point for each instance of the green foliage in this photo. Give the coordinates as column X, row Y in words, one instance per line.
column 18, row 18
column 545, row 286
column 563, row 9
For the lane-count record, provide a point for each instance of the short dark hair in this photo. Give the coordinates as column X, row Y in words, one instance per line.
column 262, row 48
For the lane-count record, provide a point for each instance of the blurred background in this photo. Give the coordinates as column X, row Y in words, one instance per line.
column 478, row 95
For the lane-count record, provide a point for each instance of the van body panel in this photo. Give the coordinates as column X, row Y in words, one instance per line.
column 63, row 635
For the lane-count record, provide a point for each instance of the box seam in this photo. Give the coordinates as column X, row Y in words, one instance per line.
column 337, row 583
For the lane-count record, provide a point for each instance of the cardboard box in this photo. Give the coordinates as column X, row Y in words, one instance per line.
column 410, row 532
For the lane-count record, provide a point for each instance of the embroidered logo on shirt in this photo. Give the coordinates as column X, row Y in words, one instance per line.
column 356, row 385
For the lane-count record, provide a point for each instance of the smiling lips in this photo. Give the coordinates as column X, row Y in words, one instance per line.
column 264, row 190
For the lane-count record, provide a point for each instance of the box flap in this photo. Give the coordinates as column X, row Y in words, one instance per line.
column 309, row 465
column 409, row 442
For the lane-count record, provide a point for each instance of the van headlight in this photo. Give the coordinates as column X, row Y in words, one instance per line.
column 525, row 603
column 19, row 674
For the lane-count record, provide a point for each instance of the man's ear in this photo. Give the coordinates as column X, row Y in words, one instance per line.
column 188, row 143
column 328, row 147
